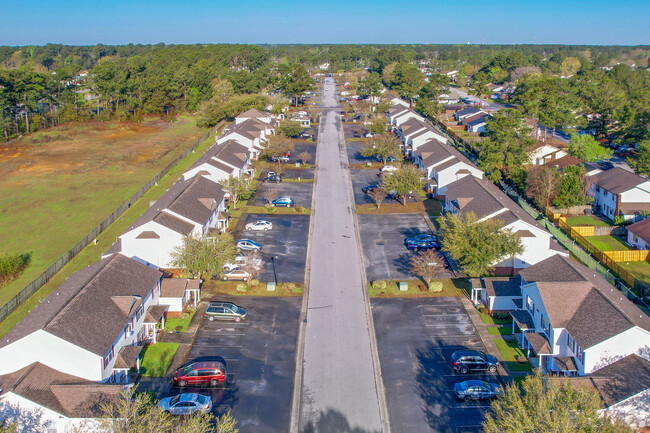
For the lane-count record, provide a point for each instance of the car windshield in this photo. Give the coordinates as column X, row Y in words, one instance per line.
column 174, row 400
column 464, row 385
column 187, row 369
column 200, row 399
column 234, row 308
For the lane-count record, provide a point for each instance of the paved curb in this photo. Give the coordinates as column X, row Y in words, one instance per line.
column 379, row 383
column 294, row 425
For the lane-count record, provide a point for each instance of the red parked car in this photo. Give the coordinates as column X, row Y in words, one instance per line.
column 201, row 373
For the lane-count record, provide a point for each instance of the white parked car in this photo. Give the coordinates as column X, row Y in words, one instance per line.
column 186, row 404
column 388, row 169
column 241, row 260
column 260, row 225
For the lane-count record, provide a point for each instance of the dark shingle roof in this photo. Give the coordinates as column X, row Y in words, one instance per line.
column 68, row 395
column 503, row 286
column 93, row 306
column 622, row 379
column 617, row 180
column 553, row 269
column 253, row 112
column 233, row 154
column 582, row 301
column 469, row 111
column 221, row 166
column 641, row 229
column 173, row 223
column 173, row 287
column 198, row 202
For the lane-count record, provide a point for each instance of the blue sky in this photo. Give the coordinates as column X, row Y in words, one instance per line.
column 598, row 22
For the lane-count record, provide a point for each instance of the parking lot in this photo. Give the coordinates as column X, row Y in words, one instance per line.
column 291, row 172
column 300, row 192
column 382, row 238
column 302, row 146
column 353, row 129
column 260, row 359
column 354, row 153
column 415, row 341
column 286, row 243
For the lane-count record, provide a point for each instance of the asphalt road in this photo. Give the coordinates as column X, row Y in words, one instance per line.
column 260, row 355
column 416, row 338
column 339, row 393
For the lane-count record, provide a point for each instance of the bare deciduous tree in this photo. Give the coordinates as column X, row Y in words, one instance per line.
column 427, row 265
column 378, row 195
column 270, row 195
column 304, row 157
column 252, row 264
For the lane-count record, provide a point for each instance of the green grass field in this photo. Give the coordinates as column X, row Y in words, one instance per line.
column 640, row 270
column 586, row 220
column 155, row 359
column 62, row 182
column 608, row 243
column 92, row 252
column 179, row 323
column 416, row 289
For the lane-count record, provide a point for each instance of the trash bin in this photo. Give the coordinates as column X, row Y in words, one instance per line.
column 403, row 286
column 270, row 286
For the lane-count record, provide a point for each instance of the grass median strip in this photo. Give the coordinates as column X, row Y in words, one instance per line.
column 511, row 354
column 416, row 288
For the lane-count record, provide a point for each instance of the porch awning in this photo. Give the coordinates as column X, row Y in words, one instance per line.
column 523, row 319
column 223, row 215
column 538, row 343
column 432, row 182
column 155, row 313
column 126, row 357
column 565, row 363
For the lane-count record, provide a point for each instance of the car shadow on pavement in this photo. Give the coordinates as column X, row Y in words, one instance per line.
column 333, row 421
column 434, row 393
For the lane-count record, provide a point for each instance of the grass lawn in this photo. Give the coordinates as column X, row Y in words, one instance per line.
column 92, row 252
column 607, row 243
column 155, row 359
column 489, row 320
column 433, row 207
column 211, row 288
column 179, row 323
column 58, row 184
column 390, row 207
column 640, row 270
column 359, row 165
column 586, row 220
column 500, row 330
column 510, row 352
column 417, row 289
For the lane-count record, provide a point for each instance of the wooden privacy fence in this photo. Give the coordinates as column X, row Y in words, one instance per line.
column 43, row 278
column 610, row 259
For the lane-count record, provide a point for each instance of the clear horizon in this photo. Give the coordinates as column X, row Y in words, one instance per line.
column 501, row 22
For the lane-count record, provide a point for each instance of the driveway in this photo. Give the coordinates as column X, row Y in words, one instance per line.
column 382, row 239
column 286, row 243
column 260, row 358
column 300, row 192
column 415, row 339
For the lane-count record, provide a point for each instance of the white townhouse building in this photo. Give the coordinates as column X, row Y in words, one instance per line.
column 619, row 192
column 92, row 326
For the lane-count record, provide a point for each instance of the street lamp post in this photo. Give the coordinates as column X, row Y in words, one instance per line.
column 275, row 276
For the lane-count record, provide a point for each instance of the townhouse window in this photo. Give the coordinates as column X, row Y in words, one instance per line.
column 580, row 354
column 597, row 188
column 636, row 239
column 530, row 305
column 546, row 326
column 108, row 357
column 570, row 342
column 138, row 313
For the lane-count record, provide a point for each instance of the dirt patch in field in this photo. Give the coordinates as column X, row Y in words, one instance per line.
column 89, row 147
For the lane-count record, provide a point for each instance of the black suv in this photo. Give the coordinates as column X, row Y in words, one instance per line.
column 464, row 361
column 273, row 179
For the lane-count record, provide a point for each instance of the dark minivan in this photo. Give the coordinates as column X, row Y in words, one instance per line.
column 201, row 373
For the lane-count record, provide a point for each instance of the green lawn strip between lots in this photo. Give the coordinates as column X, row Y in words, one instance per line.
column 155, row 359
column 607, row 243
column 92, row 252
column 179, row 323
column 450, row 287
column 586, row 220
column 510, row 352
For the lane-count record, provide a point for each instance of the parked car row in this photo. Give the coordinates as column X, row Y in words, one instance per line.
column 421, row 242
column 474, row 361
